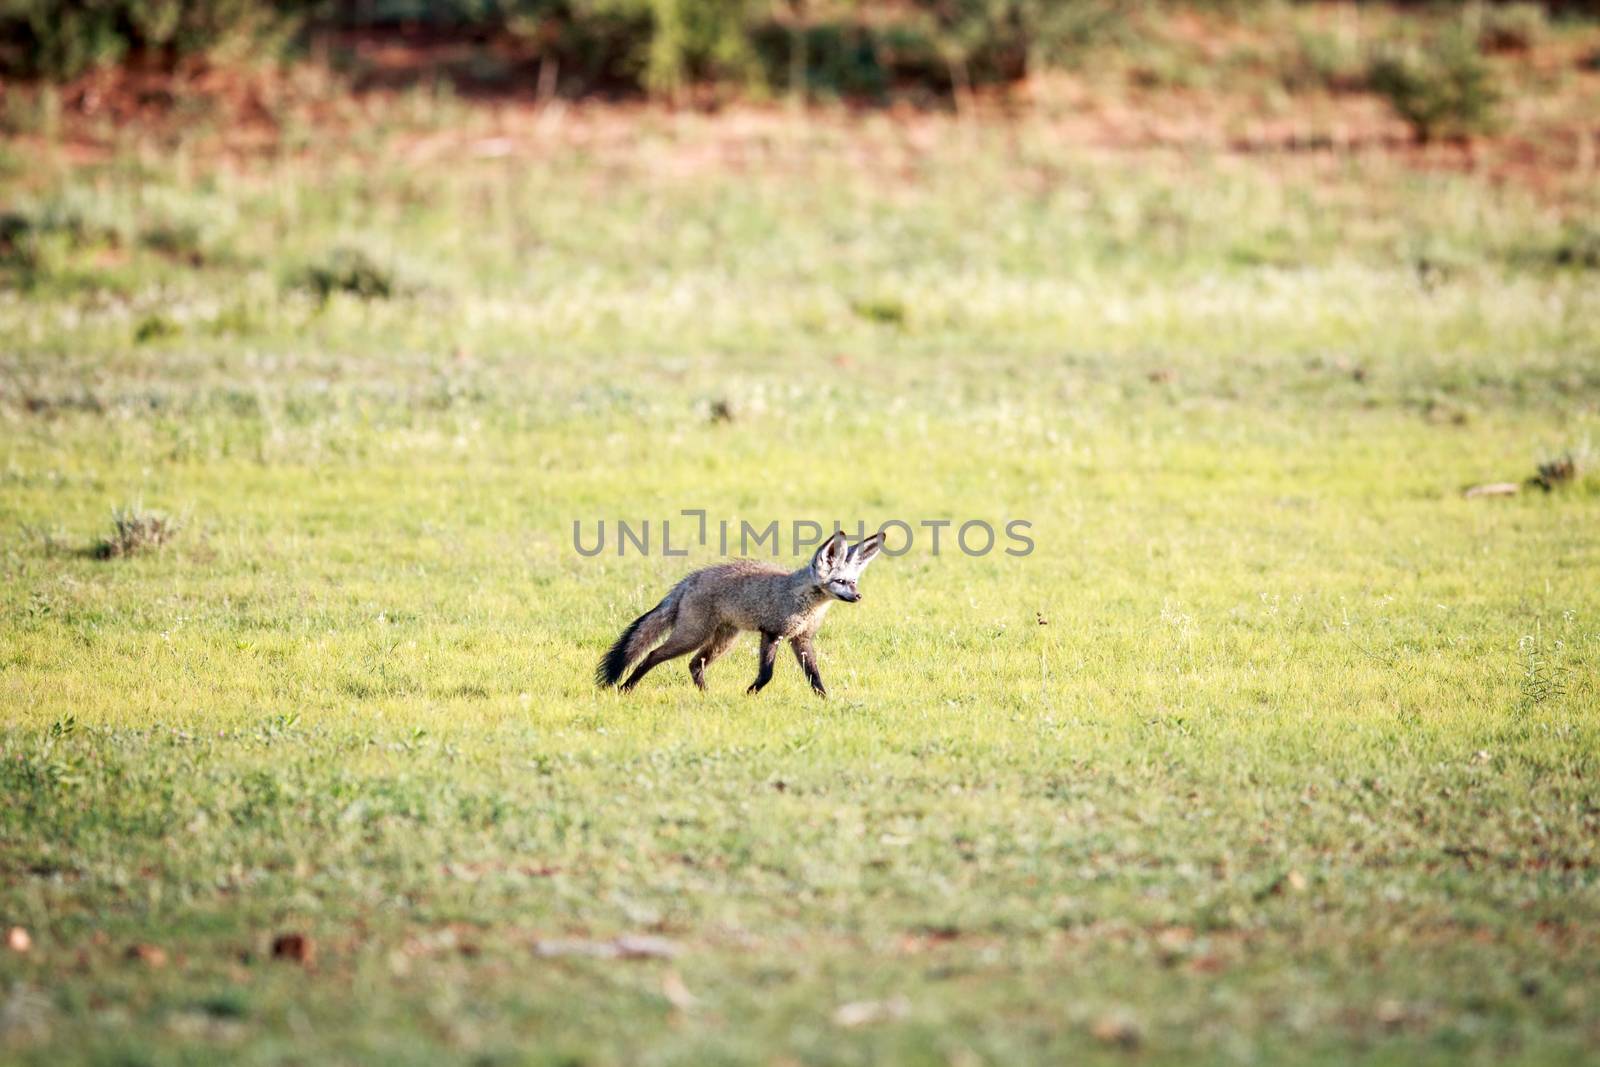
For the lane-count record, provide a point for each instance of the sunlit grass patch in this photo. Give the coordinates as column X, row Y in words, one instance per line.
column 1276, row 746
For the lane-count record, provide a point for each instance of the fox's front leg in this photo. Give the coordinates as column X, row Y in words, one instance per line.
column 769, row 656
column 808, row 662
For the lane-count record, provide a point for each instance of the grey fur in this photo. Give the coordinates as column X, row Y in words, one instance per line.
column 709, row 609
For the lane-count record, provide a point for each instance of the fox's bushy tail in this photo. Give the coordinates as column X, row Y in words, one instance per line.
column 640, row 635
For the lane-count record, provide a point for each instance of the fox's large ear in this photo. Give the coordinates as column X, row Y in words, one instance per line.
column 862, row 552
column 831, row 554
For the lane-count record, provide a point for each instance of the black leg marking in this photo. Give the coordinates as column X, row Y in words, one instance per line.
column 808, row 663
column 769, row 655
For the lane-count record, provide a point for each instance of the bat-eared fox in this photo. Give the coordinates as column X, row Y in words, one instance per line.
column 707, row 610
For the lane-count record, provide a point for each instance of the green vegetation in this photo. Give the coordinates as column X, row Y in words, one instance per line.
column 1512, row 27
column 660, row 45
column 64, row 38
column 1275, row 749
column 860, row 50
column 1445, row 87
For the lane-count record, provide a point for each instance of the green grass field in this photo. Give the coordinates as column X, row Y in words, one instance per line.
column 1276, row 749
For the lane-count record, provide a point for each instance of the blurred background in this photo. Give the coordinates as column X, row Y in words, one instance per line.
column 1445, row 69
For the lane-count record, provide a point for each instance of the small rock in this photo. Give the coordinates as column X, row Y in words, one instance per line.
column 1117, row 1028
column 646, row 947
column 626, row 947
column 574, row 946
column 864, row 1012
column 1492, row 489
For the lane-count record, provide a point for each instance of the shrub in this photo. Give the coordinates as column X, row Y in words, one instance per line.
column 134, row 530
column 1510, row 27
column 60, row 39
column 660, row 46
column 154, row 327
column 882, row 310
column 1001, row 40
column 1579, row 247
column 836, row 59
column 18, row 243
column 1448, row 89
column 694, row 40
column 1323, row 61
column 37, row 238
column 77, row 218
column 1559, row 471
column 353, row 271
column 175, row 240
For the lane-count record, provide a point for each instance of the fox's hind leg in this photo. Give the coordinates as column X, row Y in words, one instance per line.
column 769, row 656
column 707, row 654
column 683, row 639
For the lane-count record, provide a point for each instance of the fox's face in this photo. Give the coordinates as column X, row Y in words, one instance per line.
column 838, row 569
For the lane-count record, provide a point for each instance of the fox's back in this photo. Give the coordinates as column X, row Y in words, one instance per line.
column 749, row 594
